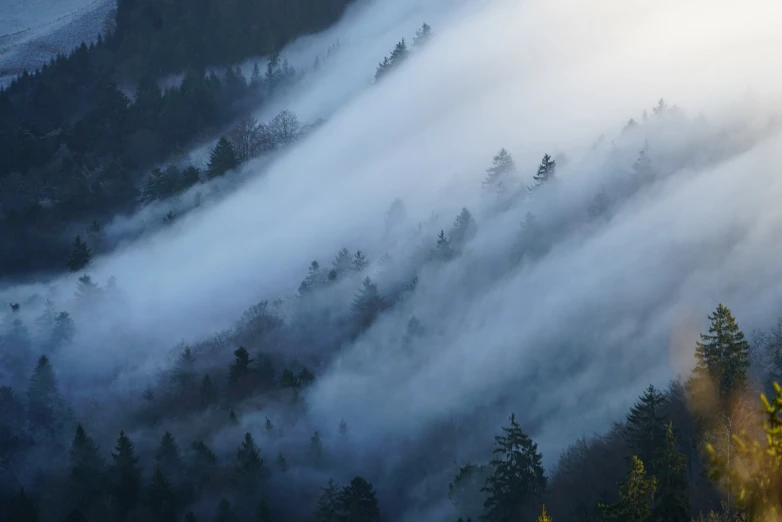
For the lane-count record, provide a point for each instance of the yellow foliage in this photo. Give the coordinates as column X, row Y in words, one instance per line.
column 543, row 517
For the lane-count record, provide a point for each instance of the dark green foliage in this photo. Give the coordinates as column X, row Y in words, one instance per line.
column 222, row 159
column 125, row 475
column 671, row 498
column 161, row 499
column 86, row 484
column 249, row 470
column 240, row 369
column 23, row 508
column 80, row 255
column 635, row 495
column 646, row 425
column 517, row 481
column 357, row 502
column 723, row 355
column 168, row 458
column 545, row 170
column 328, row 508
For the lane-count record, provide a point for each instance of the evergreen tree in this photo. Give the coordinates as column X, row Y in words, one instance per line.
column 161, row 498
column 23, row 508
column 240, row 367
column 646, row 425
column 671, row 498
column 288, row 380
column 225, row 512
column 232, row 419
column 359, row 263
column 367, row 304
column 342, row 262
column 183, row 375
column 125, row 475
column 545, row 170
column 517, row 479
column 357, row 502
column 316, row 449
column 313, row 280
column 168, row 458
column 635, row 493
column 498, row 174
column 80, row 255
column 86, row 290
column 399, row 54
column 443, row 250
column 466, row 490
column 422, row 35
column 463, row 229
column 305, row 377
column 543, row 517
column 269, row 426
column 207, row 391
column 328, row 509
column 87, row 478
column 723, row 355
column 282, row 463
column 382, row 68
column 222, row 159
column 249, row 469
column 202, row 464
column 44, row 403
column 643, row 166
column 63, row 331
column 255, row 78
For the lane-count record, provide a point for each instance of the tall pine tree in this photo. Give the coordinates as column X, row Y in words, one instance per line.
column 125, row 476
column 646, row 425
column 222, row 159
column 635, row 495
column 723, row 354
column 80, row 255
column 671, row 498
column 86, row 484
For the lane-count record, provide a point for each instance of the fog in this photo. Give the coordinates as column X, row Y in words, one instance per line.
column 568, row 337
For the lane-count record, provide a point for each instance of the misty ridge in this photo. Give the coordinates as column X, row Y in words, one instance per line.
column 496, row 215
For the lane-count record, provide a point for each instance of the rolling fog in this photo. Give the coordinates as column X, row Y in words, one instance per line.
column 566, row 339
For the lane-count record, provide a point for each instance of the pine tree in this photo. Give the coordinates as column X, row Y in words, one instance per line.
column 545, row 170
column 357, row 502
column 232, row 418
column 359, row 263
column 183, row 375
column 342, row 262
column 313, row 280
column 463, row 229
column 328, row 509
column 44, row 403
column 255, row 78
column 382, row 68
column 269, row 426
column 288, row 380
column 635, row 494
column 222, row 159
column 543, row 517
column 241, row 366
column 671, row 498
column 207, row 392
column 80, row 255
column 498, row 174
column 168, row 458
column 517, row 480
column 646, row 425
column 443, row 250
column 367, row 304
column 161, row 498
column 125, row 475
column 202, row 463
column 23, row 508
column 422, row 35
column 316, row 451
column 723, row 355
column 399, row 54
column 305, row 377
column 63, row 331
column 86, row 290
column 87, row 477
column 225, row 512
column 249, row 469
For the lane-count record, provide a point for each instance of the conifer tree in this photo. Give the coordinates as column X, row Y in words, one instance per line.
column 86, row 289
column 168, row 458
column 399, row 54
column 222, row 159
column 207, row 391
column 328, row 509
column 249, row 469
column 517, row 479
column 80, row 255
column 305, row 377
column 62, row 331
column 443, row 250
column 545, row 170
column 183, row 375
column 382, row 68
column 635, row 495
column 543, row 517
column 359, row 263
column 342, row 262
column 125, row 475
column 269, row 426
column 646, row 425
column 498, row 174
column 288, row 380
column 241, row 366
column 233, row 420
column 643, row 166
column 367, row 303
column 723, row 355
column 313, row 280
column 316, row 449
column 87, row 477
column 671, row 498
column 225, row 512
column 44, row 403
column 463, row 229
column 422, row 35
column 23, row 508
column 202, row 463
column 161, row 498
column 357, row 502
column 282, row 463
column 466, row 490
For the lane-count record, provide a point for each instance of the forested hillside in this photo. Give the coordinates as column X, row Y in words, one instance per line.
column 486, row 286
column 76, row 148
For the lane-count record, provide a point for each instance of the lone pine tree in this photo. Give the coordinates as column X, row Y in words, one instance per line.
column 222, row 159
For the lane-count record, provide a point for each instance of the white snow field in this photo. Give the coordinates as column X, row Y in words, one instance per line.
column 32, row 31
